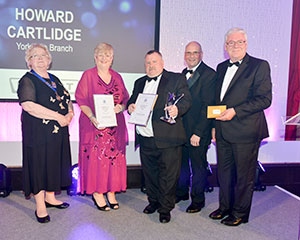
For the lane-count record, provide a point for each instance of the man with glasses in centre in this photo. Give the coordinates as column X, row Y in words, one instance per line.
column 244, row 87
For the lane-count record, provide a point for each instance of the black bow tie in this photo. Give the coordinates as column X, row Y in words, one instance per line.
column 235, row 63
column 189, row 71
column 150, row 79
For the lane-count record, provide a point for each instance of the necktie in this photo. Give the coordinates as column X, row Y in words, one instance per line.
column 150, row 79
column 189, row 71
column 230, row 64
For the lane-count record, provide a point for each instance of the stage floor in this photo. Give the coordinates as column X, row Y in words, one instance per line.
column 275, row 215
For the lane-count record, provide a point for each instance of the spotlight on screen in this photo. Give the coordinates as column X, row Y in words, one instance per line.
column 73, row 189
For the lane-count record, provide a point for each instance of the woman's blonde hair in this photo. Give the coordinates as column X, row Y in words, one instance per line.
column 104, row 48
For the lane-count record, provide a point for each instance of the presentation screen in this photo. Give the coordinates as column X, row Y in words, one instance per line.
column 71, row 29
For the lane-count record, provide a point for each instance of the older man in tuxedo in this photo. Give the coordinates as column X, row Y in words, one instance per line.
column 161, row 142
column 201, row 80
column 244, row 86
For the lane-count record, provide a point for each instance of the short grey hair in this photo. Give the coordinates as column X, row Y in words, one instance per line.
column 235, row 30
column 28, row 53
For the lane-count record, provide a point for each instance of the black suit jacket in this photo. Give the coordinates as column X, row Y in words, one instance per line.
column 249, row 93
column 202, row 88
column 165, row 134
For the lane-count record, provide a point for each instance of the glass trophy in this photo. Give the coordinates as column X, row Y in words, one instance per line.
column 171, row 100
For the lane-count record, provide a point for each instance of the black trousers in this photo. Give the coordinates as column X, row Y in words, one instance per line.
column 236, row 174
column 193, row 173
column 161, row 168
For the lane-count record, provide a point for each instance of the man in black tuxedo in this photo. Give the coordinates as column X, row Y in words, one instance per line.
column 161, row 142
column 244, row 86
column 201, row 80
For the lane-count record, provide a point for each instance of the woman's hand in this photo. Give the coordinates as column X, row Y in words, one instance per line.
column 70, row 116
column 118, row 108
column 63, row 120
column 42, row 112
column 94, row 121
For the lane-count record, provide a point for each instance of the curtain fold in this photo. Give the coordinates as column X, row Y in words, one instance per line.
column 293, row 99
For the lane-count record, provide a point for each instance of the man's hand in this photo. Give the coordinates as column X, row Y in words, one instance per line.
column 172, row 110
column 195, row 140
column 213, row 135
column 131, row 108
column 227, row 115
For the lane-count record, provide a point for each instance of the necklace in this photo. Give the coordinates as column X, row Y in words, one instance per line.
column 52, row 85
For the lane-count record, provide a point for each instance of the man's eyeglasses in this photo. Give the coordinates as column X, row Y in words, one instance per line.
column 237, row 43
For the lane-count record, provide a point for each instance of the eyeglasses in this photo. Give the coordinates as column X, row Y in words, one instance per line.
column 36, row 56
column 237, row 43
column 192, row 53
column 104, row 55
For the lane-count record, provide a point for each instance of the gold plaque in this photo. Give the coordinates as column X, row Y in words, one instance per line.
column 215, row 111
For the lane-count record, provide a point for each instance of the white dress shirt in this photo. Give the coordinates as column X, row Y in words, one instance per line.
column 150, row 87
column 227, row 79
column 188, row 75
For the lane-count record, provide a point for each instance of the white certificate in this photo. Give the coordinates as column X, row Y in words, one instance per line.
column 144, row 105
column 104, row 110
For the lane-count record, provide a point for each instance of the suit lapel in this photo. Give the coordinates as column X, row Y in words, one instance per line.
column 238, row 73
column 196, row 75
column 142, row 84
column 193, row 79
column 221, row 72
column 162, row 84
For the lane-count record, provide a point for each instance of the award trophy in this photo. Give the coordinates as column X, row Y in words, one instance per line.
column 171, row 100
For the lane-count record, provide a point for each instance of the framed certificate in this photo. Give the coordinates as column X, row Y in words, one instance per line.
column 144, row 106
column 215, row 111
column 104, row 110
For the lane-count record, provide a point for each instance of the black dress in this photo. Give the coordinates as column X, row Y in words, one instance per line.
column 46, row 145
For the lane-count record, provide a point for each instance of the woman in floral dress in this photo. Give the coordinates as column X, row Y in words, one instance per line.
column 102, row 159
